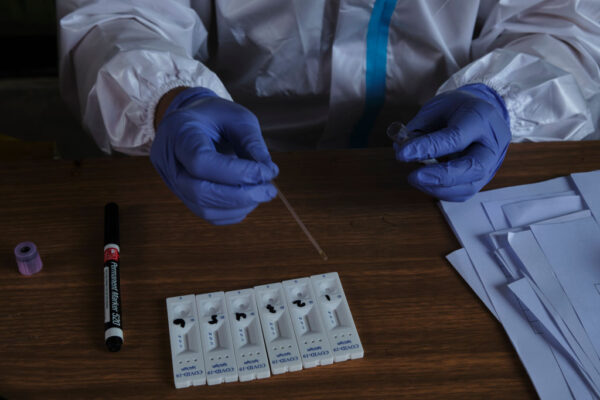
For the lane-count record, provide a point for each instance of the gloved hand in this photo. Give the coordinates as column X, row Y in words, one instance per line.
column 211, row 154
column 470, row 123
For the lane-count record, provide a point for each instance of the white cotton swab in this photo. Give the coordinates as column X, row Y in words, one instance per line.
column 300, row 223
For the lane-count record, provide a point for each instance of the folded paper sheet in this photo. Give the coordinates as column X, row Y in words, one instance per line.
column 532, row 255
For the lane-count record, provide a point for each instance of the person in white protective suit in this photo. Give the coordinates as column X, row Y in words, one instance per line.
column 187, row 82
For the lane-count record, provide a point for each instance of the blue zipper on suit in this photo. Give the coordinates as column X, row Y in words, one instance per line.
column 376, row 63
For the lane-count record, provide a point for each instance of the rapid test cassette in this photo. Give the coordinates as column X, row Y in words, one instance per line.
column 338, row 320
column 186, row 349
column 248, row 342
column 219, row 355
column 248, row 334
column 277, row 328
column 307, row 322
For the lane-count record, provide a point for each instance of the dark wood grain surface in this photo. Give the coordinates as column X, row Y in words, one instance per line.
column 425, row 334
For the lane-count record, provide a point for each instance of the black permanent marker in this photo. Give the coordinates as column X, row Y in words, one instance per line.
column 113, row 328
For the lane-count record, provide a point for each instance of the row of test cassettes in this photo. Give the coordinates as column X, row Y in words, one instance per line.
column 218, row 337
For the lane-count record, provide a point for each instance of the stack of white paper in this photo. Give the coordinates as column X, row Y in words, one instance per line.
column 532, row 254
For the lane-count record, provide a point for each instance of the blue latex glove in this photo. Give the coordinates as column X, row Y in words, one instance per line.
column 211, row 154
column 471, row 124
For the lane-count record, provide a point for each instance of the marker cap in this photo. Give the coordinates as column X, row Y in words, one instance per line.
column 111, row 224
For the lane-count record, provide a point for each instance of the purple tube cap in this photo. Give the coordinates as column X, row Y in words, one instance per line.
column 28, row 259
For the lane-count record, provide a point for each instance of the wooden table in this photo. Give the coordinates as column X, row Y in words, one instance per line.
column 425, row 334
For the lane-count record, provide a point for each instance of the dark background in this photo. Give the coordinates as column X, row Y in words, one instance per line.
column 28, row 38
column 34, row 121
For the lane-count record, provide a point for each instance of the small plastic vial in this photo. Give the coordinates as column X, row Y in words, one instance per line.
column 28, row 259
column 398, row 133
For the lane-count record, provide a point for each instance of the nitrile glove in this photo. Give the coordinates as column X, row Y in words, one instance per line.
column 471, row 124
column 211, row 154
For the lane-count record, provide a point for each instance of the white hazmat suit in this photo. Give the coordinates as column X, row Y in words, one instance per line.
column 311, row 69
